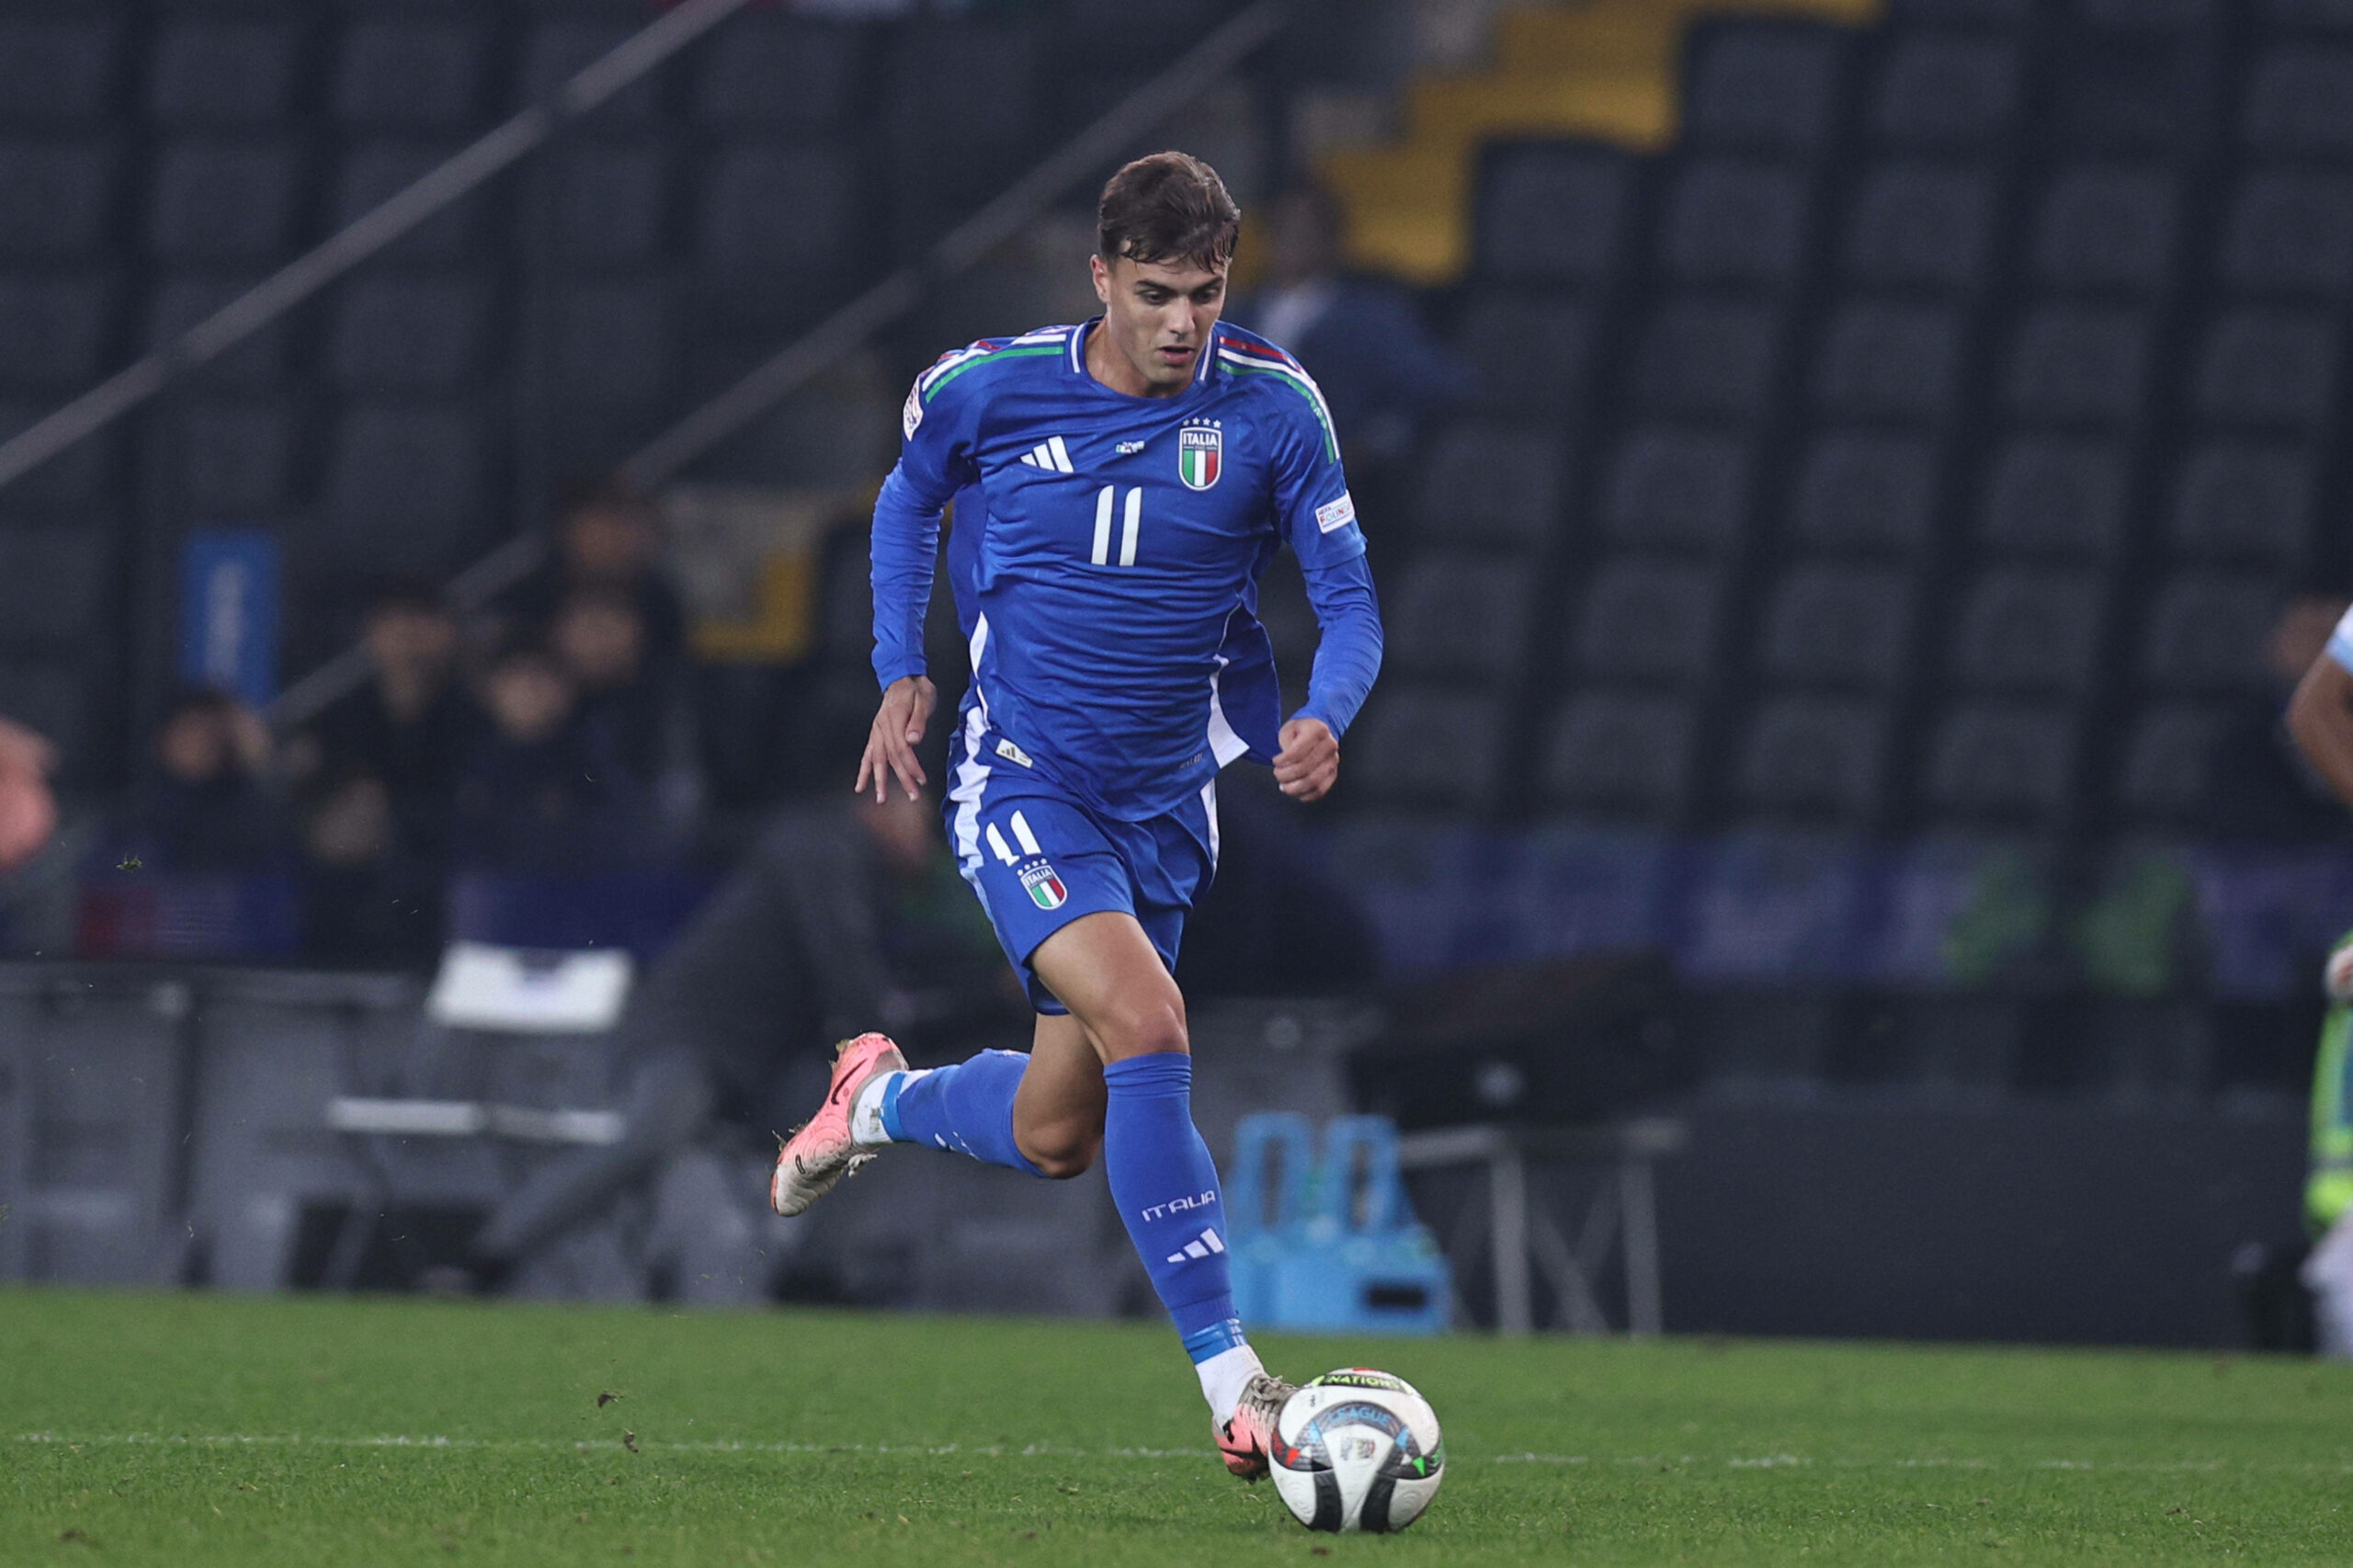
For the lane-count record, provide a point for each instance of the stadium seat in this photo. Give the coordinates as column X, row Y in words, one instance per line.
column 56, row 199
column 411, row 73
column 2001, row 760
column 779, row 74
column 2246, row 502
column 2150, row 14
column 2206, row 631
column 2146, row 91
column 1765, row 86
column 1738, row 220
column 50, row 695
column 1648, row 620
column 2169, row 760
column 1881, row 361
column 780, row 213
column 1459, row 615
column 1532, row 353
column 57, row 72
column 2057, row 497
column 1922, row 225
column 2291, row 232
column 2300, row 102
column 610, row 202
column 2272, row 367
column 1430, row 745
column 405, row 486
column 237, row 460
column 52, row 579
column 1672, row 489
column 374, row 171
column 2106, row 226
column 1866, row 491
column 2335, row 15
column 180, row 302
column 83, row 475
column 53, row 331
column 558, row 50
column 2029, row 630
column 1839, row 625
column 213, row 74
column 1706, row 356
column 408, row 334
column 1815, row 754
column 1487, row 483
column 1946, row 90
column 613, row 343
column 1552, row 213
column 2079, row 365
column 1614, row 751
column 223, row 201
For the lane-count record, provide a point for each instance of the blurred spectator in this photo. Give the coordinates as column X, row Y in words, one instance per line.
column 204, row 807
column 27, row 810
column 2259, row 785
column 1362, row 338
column 599, row 634
column 609, row 536
column 542, row 790
column 847, row 915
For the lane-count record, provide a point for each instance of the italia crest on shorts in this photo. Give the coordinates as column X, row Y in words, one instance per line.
column 1200, row 453
column 1037, row 873
column 1046, row 889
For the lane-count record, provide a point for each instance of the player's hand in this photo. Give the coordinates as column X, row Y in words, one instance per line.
column 1309, row 764
column 898, row 729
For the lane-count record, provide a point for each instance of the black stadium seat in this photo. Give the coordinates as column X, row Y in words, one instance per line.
column 54, row 330
column 2169, row 760
column 610, row 202
column 780, row 213
column 2300, row 102
column 1765, row 86
column 1706, row 356
column 1885, row 360
column 180, row 303
column 557, row 50
column 1740, row 220
column 51, row 695
column 412, row 74
column 1492, row 483
column 406, row 485
column 2109, row 226
column 1839, row 625
column 1620, row 751
column 1922, row 225
column 218, row 201
column 1429, row 745
column 1552, row 213
column 2079, row 365
column 52, row 581
column 2055, row 497
column 2002, row 761
column 2029, row 629
column 1532, row 354
column 403, row 333
column 1938, row 90
column 228, row 73
column 613, row 342
column 1677, row 489
column 1459, row 615
column 237, row 460
column 2270, row 368
column 2291, row 232
column 779, row 74
column 2206, row 631
column 2247, row 502
column 1816, row 755
column 1647, row 618
column 372, row 171
column 55, row 198
column 59, row 71
column 1866, row 491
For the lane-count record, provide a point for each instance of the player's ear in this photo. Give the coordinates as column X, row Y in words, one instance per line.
column 1101, row 275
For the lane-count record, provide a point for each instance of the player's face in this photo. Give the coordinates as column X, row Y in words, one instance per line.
column 1157, row 317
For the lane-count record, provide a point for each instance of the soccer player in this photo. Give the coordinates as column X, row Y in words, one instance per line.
column 1118, row 488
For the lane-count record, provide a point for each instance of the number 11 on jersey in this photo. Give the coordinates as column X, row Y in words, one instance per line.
column 1104, row 500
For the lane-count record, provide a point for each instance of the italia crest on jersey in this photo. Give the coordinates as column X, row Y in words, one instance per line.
column 1046, row 889
column 1200, row 454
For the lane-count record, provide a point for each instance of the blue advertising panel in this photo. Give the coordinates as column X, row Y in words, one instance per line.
column 229, row 612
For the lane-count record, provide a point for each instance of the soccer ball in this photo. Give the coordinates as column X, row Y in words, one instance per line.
column 1357, row 1449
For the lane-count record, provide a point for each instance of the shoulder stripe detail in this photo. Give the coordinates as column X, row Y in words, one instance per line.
column 944, row 373
column 1301, row 380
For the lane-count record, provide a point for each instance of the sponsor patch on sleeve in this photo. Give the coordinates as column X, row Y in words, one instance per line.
column 912, row 415
column 1337, row 514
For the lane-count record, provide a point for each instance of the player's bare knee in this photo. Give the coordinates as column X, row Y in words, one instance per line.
column 1063, row 1150
column 1146, row 1029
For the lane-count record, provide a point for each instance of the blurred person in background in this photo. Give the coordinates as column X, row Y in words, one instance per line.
column 1361, row 337
column 206, row 804
column 607, row 535
column 37, row 854
column 634, row 708
column 2258, row 787
column 844, row 911
column 540, row 791
column 28, row 809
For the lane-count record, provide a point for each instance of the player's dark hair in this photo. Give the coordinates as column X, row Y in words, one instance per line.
column 1167, row 207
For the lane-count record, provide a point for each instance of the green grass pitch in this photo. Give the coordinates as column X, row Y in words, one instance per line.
column 194, row 1430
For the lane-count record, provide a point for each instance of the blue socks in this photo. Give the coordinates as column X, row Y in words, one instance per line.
column 967, row 1108
column 1165, row 1186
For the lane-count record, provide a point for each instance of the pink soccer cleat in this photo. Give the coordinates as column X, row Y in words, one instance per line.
column 1245, row 1440
column 820, row 1151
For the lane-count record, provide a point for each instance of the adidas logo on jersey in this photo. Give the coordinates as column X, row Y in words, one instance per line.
column 1053, row 456
column 1199, row 1246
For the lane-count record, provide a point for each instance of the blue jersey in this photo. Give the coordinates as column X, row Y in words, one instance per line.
column 1108, row 578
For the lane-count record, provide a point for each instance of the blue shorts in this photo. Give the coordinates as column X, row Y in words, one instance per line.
column 1039, row 859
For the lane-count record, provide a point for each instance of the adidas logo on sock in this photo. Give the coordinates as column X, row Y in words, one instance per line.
column 1199, row 1246
column 1052, row 456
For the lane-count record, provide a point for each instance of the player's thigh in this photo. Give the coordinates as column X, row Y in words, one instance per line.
column 1107, row 971
column 1058, row 1109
